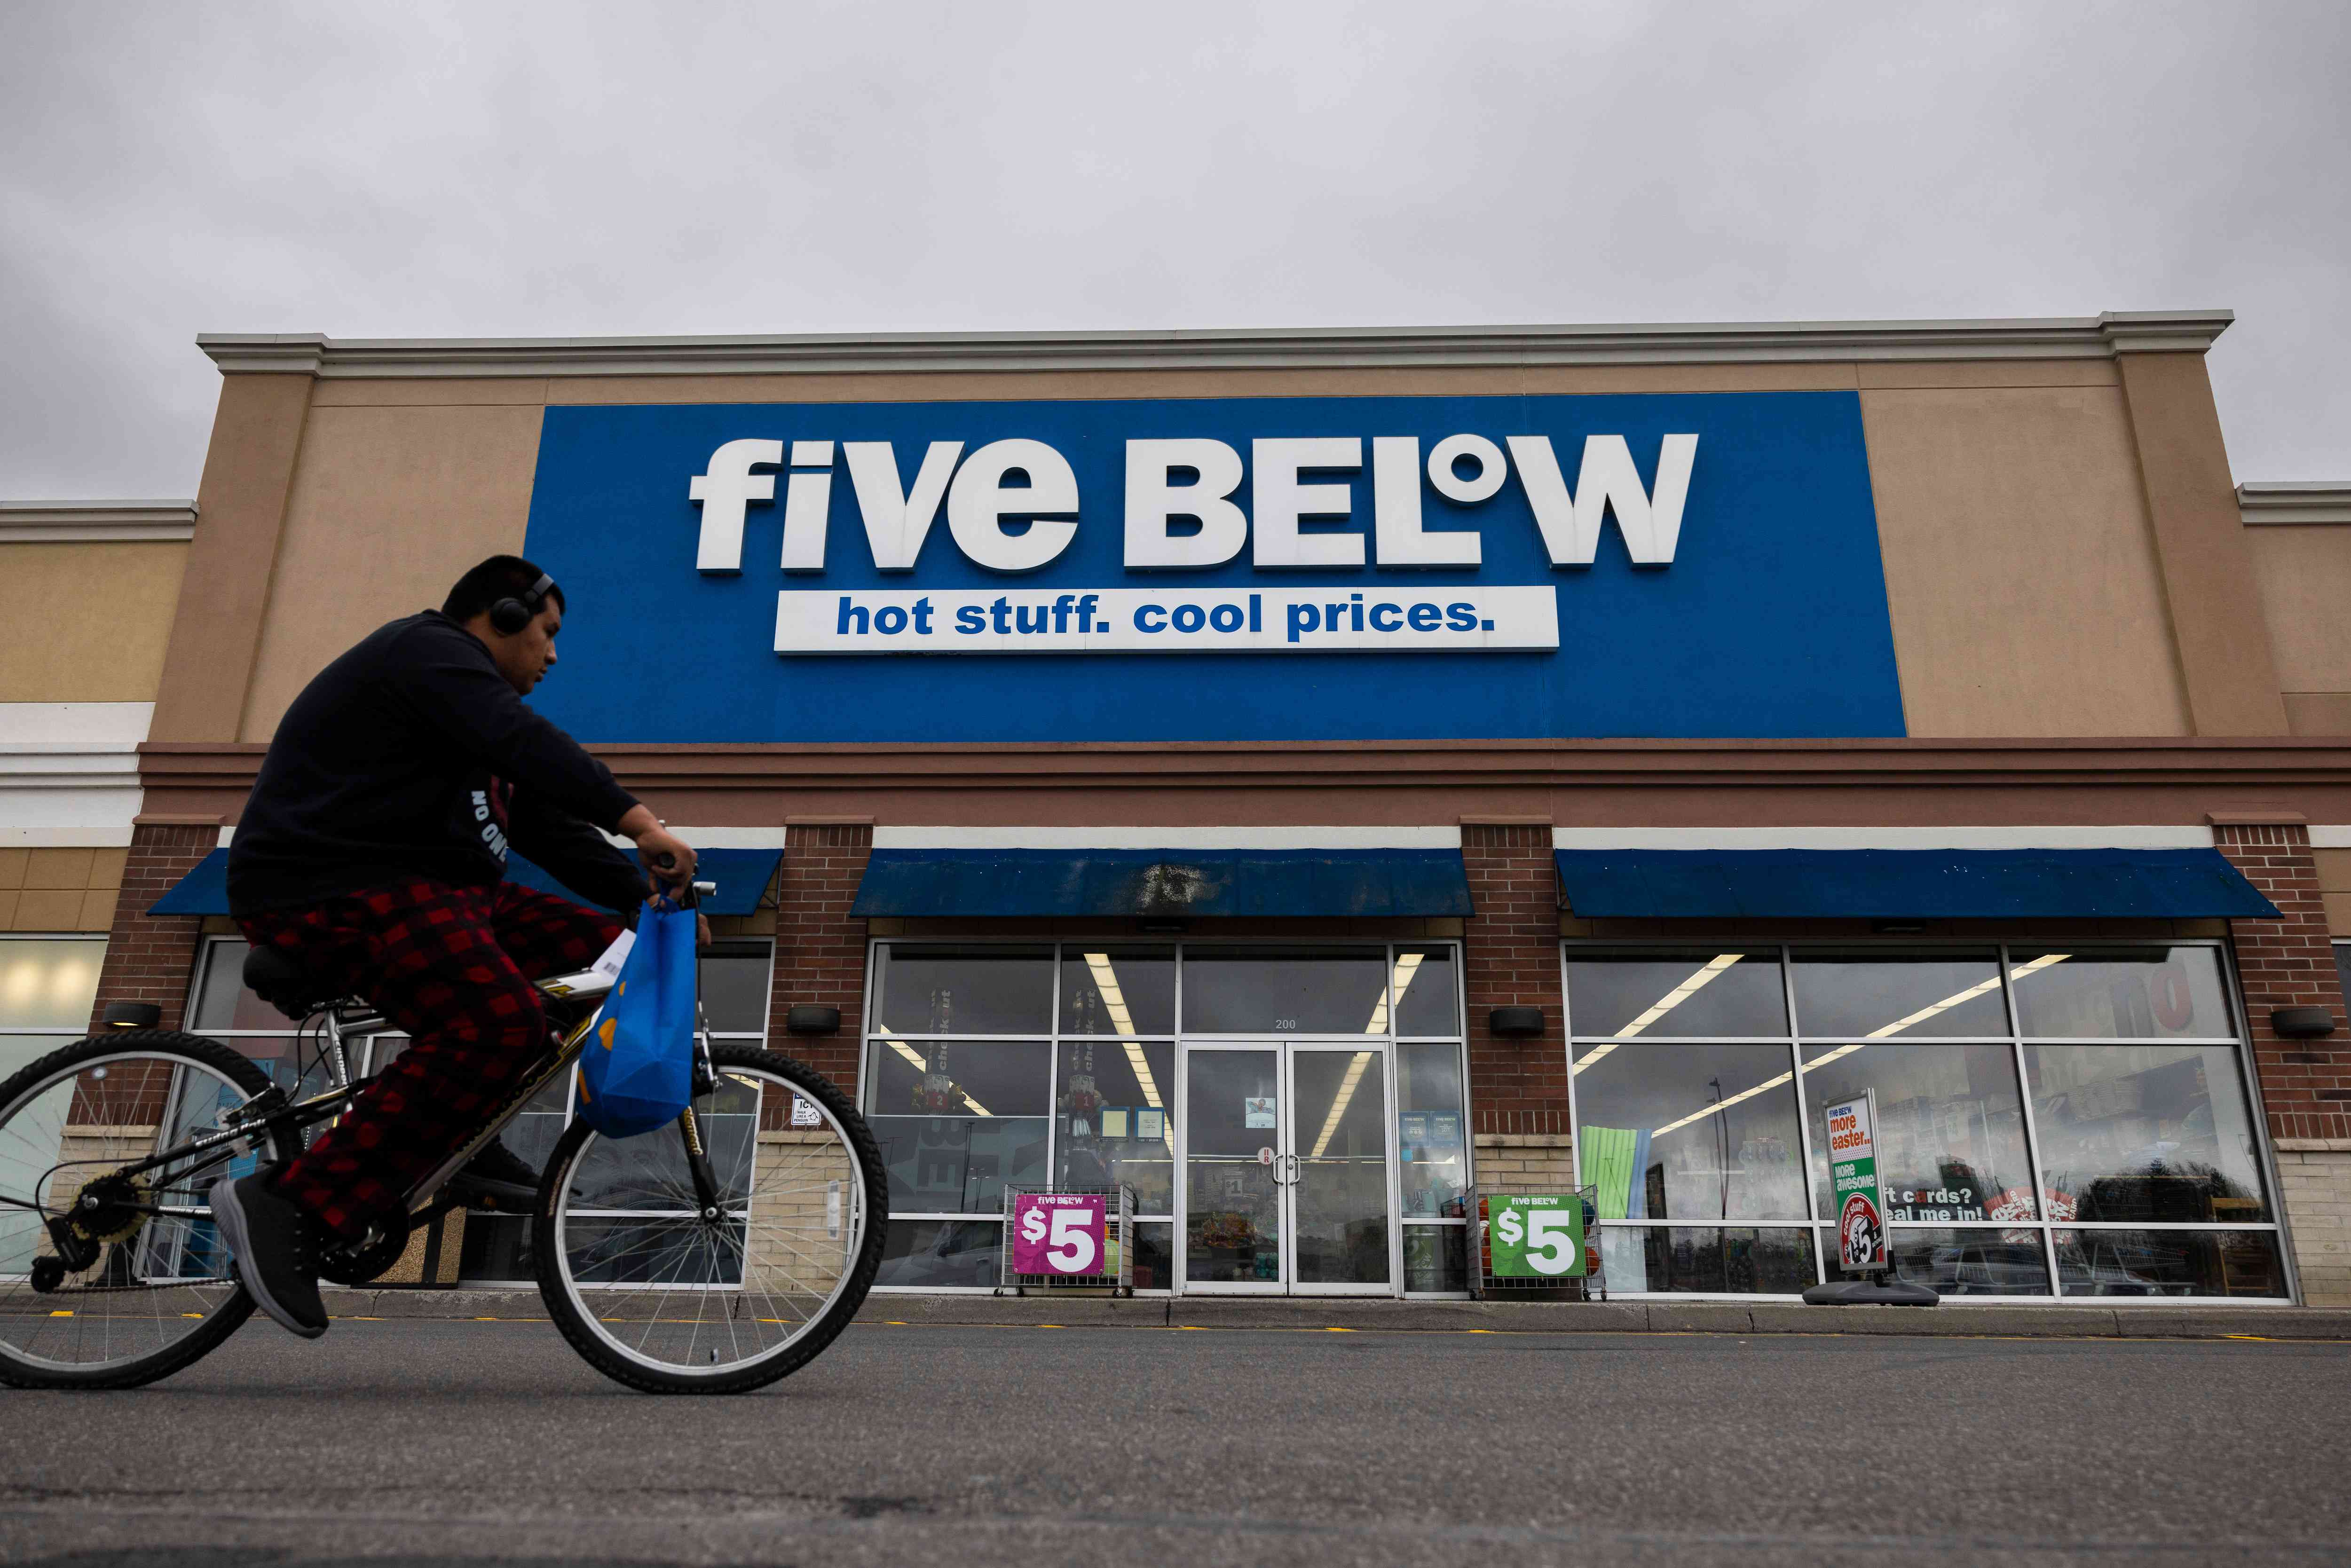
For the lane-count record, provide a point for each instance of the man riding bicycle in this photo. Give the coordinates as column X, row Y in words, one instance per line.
column 373, row 854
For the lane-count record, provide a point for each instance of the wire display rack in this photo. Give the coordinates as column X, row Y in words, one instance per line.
column 1118, row 1225
column 1483, row 1286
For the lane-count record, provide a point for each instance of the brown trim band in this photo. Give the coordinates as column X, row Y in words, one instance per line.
column 1576, row 782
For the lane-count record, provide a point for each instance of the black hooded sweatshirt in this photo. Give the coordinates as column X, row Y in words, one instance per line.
column 411, row 757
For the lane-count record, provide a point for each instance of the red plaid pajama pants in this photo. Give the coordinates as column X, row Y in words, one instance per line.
column 453, row 967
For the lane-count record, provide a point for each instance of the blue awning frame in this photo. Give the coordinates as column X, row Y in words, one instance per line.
column 1908, row 885
column 1012, row 882
column 743, row 877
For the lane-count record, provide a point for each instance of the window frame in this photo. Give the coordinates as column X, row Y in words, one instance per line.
column 1795, row 1040
column 1058, row 947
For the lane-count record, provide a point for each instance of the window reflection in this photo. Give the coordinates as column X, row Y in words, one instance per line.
column 1116, row 1118
column 1690, row 1132
column 222, row 1000
column 943, row 1252
column 1423, row 983
column 1879, row 996
column 1430, row 1139
column 1711, row 1260
column 1961, row 1262
column 957, row 1120
column 1118, row 990
column 2141, row 1130
column 1950, row 1127
column 1285, row 990
column 734, row 979
column 1436, row 1258
column 2169, row 1263
column 2126, row 993
column 2153, row 1133
column 1668, row 996
column 1154, row 1252
column 964, row 991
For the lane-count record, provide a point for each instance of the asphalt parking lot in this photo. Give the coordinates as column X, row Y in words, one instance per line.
column 456, row 1442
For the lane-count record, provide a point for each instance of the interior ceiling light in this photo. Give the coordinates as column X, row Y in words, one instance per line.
column 1339, row 1103
column 1665, row 1004
column 1926, row 1012
column 1407, row 964
column 1114, row 1000
column 910, row 1054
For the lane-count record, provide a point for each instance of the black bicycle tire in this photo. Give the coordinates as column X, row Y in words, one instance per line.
column 572, row 1324
column 207, row 1336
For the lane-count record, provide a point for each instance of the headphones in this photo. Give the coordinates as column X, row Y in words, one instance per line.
column 510, row 616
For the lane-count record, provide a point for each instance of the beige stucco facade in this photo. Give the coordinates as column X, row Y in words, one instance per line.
column 106, row 611
column 89, row 590
column 2019, row 530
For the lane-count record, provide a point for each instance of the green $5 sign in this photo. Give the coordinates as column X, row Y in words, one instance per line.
column 1539, row 1237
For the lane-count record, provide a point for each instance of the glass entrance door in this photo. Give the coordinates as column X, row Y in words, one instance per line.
column 1287, row 1182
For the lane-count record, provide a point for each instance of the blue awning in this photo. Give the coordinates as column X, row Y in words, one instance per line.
column 742, row 876
column 1326, row 884
column 1908, row 885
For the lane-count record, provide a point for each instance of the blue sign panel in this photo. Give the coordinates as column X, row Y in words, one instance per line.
column 1216, row 570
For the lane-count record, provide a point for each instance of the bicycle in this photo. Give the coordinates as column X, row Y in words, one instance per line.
column 715, row 1255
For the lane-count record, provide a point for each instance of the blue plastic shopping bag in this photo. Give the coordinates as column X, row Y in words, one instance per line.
column 637, row 1073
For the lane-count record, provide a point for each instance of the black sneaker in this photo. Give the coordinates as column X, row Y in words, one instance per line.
column 269, row 1239
column 497, row 1179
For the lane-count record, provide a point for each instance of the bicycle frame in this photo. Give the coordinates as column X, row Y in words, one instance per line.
column 345, row 1023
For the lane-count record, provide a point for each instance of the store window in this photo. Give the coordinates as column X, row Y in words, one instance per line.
column 48, row 986
column 734, row 978
column 990, row 1065
column 2052, row 1120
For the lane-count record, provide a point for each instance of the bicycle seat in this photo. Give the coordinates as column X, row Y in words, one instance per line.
column 285, row 985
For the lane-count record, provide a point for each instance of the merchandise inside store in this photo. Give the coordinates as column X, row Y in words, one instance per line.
column 2075, row 1115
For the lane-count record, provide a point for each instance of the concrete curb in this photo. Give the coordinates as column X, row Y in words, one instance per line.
column 1383, row 1316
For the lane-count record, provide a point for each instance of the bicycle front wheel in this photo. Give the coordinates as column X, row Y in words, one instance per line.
column 668, row 1294
column 112, row 1270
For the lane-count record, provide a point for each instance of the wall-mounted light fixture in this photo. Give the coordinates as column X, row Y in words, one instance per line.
column 812, row 1017
column 133, row 1015
column 2301, row 1023
column 1515, row 1023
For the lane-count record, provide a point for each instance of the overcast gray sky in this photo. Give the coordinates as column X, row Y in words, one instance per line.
column 486, row 170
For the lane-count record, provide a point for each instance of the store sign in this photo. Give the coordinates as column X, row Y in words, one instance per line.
column 1535, row 1238
column 1058, row 1233
column 1274, row 568
column 1859, row 1196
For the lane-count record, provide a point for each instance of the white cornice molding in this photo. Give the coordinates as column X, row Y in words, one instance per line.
column 2317, row 502
column 76, row 522
column 1331, row 347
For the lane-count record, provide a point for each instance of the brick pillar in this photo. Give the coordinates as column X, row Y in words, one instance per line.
column 150, row 958
column 819, row 950
column 2290, row 962
column 2306, row 1083
column 1510, row 958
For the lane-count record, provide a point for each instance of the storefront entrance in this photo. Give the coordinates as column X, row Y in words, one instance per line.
column 1288, row 1177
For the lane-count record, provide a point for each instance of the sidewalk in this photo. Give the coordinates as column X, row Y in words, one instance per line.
column 2151, row 1321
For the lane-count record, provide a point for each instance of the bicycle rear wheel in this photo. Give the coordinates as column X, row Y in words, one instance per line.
column 111, row 1279
column 665, row 1297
